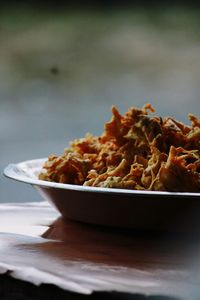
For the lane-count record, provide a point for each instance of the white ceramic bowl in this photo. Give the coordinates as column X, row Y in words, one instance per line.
column 113, row 207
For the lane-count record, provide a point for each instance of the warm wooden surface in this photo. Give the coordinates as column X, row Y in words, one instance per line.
column 38, row 246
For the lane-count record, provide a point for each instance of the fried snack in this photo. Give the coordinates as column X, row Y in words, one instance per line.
column 139, row 151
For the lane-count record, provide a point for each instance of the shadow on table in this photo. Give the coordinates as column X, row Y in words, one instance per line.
column 104, row 259
column 133, row 248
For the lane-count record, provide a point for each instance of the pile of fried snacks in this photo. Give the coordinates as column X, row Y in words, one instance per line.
column 139, row 151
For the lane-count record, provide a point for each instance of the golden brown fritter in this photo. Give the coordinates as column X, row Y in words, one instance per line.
column 138, row 151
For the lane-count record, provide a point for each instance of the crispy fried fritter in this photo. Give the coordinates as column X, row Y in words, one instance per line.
column 136, row 151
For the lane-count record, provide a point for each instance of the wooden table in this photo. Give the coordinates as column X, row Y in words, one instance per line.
column 43, row 256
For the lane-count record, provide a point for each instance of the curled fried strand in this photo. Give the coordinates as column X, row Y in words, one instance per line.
column 135, row 151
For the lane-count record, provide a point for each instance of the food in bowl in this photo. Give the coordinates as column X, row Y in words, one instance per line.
column 138, row 150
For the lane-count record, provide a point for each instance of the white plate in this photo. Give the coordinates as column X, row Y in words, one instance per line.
column 113, row 207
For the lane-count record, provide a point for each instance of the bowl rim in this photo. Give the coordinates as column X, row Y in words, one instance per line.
column 16, row 172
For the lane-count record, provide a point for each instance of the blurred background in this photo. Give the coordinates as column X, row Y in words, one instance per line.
column 63, row 66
